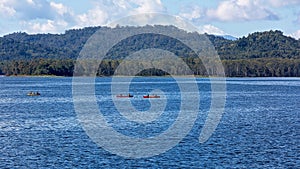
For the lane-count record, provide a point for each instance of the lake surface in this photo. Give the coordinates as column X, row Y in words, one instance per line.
column 260, row 127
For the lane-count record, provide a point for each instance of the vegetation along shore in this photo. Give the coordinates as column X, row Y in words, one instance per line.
column 260, row 54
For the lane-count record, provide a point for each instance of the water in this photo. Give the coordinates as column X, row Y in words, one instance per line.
column 260, row 127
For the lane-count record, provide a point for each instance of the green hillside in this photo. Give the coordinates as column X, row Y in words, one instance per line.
column 259, row 54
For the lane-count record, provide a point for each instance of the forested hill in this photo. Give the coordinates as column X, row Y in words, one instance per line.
column 271, row 44
column 21, row 46
column 267, row 53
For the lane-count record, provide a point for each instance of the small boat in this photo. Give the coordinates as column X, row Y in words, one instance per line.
column 152, row 96
column 124, row 96
column 33, row 94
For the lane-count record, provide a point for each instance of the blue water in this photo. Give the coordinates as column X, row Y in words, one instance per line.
column 260, row 127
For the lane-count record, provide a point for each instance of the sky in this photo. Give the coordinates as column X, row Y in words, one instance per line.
column 221, row 17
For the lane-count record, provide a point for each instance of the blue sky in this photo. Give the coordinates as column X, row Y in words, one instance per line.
column 231, row 17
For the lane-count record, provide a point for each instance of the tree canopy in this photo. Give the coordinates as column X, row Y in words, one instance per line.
column 268, row 53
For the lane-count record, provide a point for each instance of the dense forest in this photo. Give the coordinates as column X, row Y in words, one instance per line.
column 260, row 54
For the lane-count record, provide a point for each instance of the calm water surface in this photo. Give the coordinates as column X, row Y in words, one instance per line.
column 260, row 127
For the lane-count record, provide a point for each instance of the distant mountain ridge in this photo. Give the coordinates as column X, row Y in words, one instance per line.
column 18, row 46
column 260, row 54
column 228, row 37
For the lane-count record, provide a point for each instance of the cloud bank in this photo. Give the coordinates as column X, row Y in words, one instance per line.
column 48, row 16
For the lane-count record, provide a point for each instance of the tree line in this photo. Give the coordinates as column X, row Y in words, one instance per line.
column 267, row 67
column 38, row 67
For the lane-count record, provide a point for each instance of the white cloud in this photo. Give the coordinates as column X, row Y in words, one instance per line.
column 192, row 13
column 60, row 8
column 102, row 13
column 48, row 26
column 37, row 15
column 296, row 34
column 105, row 12
column 210, row 29
column 27, row 10
column 30, row 2
column 93, row 17
column 35, row 9
column 240, row 10
column 6, row 10
column 280, row 3
column 42, row 16
column 146, row 6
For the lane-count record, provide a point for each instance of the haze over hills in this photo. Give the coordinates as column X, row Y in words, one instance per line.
column 228, row 37
column 258, row 54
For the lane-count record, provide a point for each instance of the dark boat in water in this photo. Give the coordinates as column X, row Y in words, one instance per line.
column 152, row 96
column 124, row 96
column 33, row 94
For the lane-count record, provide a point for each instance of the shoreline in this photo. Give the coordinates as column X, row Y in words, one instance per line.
column 167, row 76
